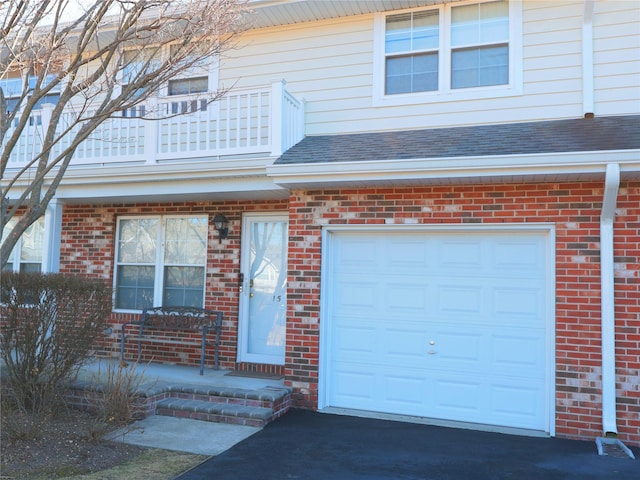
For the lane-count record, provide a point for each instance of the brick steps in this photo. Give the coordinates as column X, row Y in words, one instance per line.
column 226, row 405
column 215, row 412
column 237, row 406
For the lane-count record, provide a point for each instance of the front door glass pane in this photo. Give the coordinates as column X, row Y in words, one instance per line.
column 267, row 284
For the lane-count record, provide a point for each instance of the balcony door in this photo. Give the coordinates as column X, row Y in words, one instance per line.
column 263, row 299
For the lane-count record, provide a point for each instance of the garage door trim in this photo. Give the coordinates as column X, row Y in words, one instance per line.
column 545, row 229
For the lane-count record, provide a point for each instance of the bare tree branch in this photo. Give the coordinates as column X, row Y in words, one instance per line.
column 106, row 57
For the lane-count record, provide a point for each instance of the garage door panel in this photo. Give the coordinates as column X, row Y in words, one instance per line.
column 461, row 253
column 400, row 346
column 354, row 387
column 406, row 296
column 376, row 348
column 411, row 255
column 407, row 392
column 489, row 399
column 358, row 340
column 516, row 255
column 439, row 325
column 477, row 349
column 519, row 355
column 382, row 390
column 359, row 252
column 461, row 348
column 455, row 397
column 525, row 303
column 356, row 294
column 459, row 299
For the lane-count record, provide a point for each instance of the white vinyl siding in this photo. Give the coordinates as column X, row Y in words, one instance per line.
column 616, row 33
column 330, row 64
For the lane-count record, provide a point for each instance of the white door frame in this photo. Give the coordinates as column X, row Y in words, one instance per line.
column 548, row 229
column 243, row 307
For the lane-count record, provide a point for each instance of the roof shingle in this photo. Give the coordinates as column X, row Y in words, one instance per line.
column 557, row 136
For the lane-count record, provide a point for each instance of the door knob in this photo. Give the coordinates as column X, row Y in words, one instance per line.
column 432, row 342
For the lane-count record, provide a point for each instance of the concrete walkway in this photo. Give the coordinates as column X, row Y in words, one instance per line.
column 183, row 434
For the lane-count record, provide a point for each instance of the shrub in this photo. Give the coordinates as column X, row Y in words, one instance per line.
column 118, row 403
column 49, row 324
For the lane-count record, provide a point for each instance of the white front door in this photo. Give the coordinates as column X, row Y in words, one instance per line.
column 447, row 325
column 263, row 300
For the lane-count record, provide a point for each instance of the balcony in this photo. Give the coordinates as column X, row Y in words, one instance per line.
column 258, row 122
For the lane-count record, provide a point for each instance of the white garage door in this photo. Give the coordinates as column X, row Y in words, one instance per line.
column 441, row 325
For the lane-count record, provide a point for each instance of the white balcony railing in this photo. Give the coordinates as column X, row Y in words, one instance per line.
column 264, row 121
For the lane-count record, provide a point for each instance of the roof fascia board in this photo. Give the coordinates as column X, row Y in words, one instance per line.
column 507, row 165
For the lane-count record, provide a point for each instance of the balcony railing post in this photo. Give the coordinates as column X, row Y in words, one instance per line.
column 151, row 130
column 45, row 115
column 277, row 116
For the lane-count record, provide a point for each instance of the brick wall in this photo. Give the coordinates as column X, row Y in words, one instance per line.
column 88, row 248
column 88, row 241
column 574, row 208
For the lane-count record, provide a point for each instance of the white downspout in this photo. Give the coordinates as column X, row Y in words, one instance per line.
column 612, row 182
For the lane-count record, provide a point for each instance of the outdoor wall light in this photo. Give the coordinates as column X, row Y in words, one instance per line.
column 222, row 225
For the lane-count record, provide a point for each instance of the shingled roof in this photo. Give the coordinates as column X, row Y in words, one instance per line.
column 558, row 136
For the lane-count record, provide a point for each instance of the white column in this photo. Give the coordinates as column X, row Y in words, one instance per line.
column 52, row 237
column 277, row 119
column 151, row 130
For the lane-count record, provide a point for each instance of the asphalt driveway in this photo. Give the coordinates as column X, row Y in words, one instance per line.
column 308, row 445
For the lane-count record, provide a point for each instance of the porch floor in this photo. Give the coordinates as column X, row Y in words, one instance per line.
column 181, row 375
column 180, row 391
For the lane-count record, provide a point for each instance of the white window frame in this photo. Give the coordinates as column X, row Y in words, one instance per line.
column 158, row 281
column 445, row 93
column 15, row 261
column 210, row 70
column 14, row 93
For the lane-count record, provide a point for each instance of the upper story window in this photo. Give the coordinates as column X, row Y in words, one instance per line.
column 463, row 50
column 12, row 90
column 27, row 254
column 136, row 63
column 480, row 45
column 186, row 86
column 193, row 80
column 411, row 52
column 160, row 260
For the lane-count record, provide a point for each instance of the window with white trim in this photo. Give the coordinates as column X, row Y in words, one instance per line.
column 453, row 48
column 480, row 45
column 12, row 88
column 26, row 256
column 160, row 260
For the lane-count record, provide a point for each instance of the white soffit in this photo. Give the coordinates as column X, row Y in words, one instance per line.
column 271, row 13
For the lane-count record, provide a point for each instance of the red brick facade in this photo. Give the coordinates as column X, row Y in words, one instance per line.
column 88, row 242
column 574, row 208
column 88, row 248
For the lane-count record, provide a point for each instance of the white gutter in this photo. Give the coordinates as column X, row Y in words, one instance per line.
column 587, row 60
column 612, row 182
column 332, row 173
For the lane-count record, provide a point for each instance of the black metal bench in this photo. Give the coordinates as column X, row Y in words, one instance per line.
column 188, row 319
